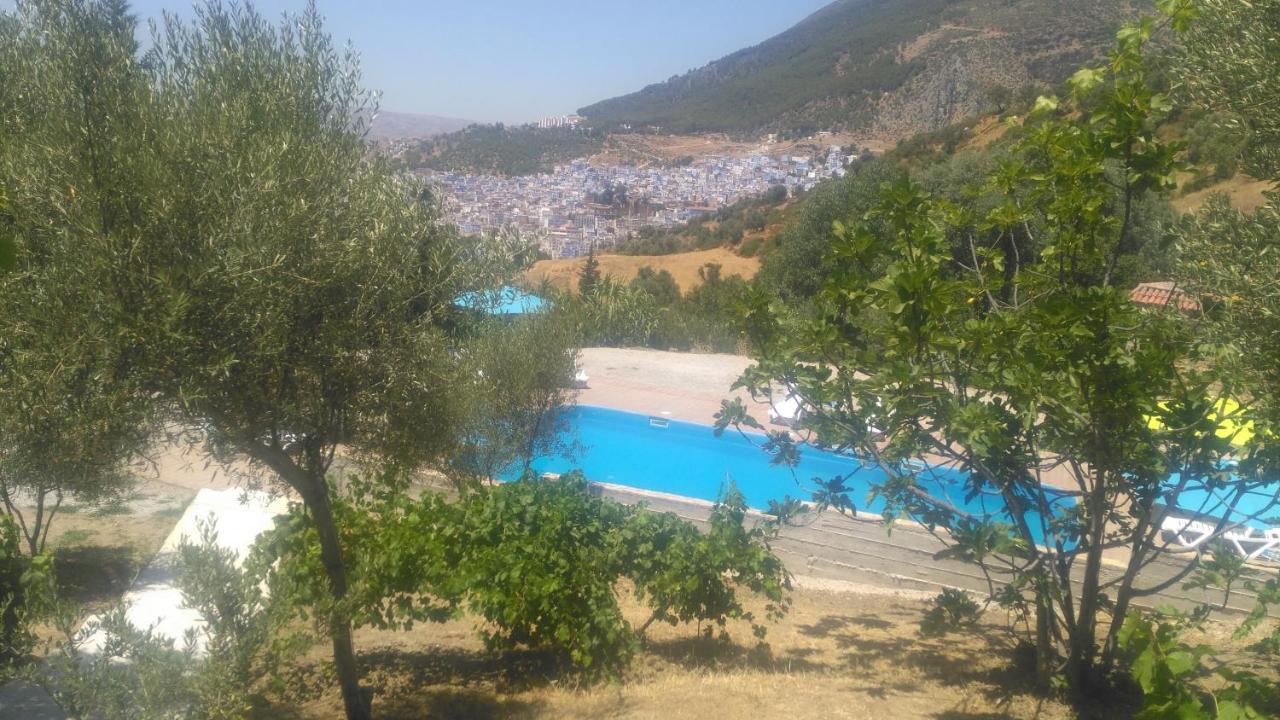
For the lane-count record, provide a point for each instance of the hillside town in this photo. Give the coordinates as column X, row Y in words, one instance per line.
column 582, row 205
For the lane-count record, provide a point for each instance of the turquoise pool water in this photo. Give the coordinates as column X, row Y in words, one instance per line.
column 1256, row 506
column 688, row 459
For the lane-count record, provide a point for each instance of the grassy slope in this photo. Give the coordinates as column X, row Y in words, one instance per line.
column 1245, row 194
column 831, row 69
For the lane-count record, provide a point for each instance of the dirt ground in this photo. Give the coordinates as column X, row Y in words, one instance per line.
column 683, row 267
column 836, row 655
column 98, row 551
column 1244, row 193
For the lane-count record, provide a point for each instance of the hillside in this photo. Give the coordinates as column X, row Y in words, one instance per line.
column 887, row 68
column 502, row 150
column 1243, row 192
column 389, row 125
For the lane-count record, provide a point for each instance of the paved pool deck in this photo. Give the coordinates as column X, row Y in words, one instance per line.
column 682, row 386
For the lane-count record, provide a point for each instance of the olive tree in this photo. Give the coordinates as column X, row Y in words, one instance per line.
column 8, row 248
column 1019, row 362
column 1225, row 61
column 264, row 283
column 70, row 94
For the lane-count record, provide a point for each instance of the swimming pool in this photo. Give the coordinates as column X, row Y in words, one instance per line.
column 1255, row 507
column 687, row 459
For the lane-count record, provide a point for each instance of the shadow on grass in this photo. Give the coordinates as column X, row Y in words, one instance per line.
column 434, row 683
column 461, row 683
column 510, row 671
column 961, row 658
column 831, row 623
column 453, row 702
column 93, row 575
column 702, row 652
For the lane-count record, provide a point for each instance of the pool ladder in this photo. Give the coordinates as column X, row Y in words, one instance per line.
column 659, row 422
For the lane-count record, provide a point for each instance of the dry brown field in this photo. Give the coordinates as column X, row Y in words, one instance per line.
column 684, row 267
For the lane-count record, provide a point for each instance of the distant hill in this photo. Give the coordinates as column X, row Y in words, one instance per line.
column 888, row 68
column 501, row 149
column 394, row 125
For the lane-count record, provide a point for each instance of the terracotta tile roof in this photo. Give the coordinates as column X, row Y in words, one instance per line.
column 1164, row 294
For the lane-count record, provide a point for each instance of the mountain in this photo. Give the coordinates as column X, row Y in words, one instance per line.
column 884, row 67
column 395, row 125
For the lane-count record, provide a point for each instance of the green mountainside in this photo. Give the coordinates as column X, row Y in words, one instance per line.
column 501, row 149
column 887, row 67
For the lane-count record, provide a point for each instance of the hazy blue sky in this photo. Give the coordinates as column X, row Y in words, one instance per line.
column 517, row 60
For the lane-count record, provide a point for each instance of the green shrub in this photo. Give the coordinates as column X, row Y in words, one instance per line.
column 230, row 600
column 1170, row 674
column 539, row 561
column 26, row 595
column 138, row 674
column 952, row 609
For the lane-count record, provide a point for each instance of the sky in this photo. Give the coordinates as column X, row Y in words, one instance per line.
column 520, row 60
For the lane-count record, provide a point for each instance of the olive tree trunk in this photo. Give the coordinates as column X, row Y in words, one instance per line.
column 357, row 700
column 313, row 489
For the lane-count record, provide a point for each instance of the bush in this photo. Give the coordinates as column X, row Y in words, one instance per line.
column 952, row 609
column 231, row 602
column 1171, row 674
column 138, row 674
column 26, row 595
column 540, row 561
column 659, row 285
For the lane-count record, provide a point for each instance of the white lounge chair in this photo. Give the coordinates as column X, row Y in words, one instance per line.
column 581, row 378
column 786, row 412
column 1250, row 543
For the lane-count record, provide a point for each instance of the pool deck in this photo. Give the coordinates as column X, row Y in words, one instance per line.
column 857, row 554
column 682, row 386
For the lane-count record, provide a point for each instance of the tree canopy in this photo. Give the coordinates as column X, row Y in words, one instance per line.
column 207, row 247
column 995, row 340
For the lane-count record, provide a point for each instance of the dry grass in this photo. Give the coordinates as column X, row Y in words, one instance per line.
column 1245, row 194
column 836, row 655
column 986, row 131
column 98, row 551
column 683, row 267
